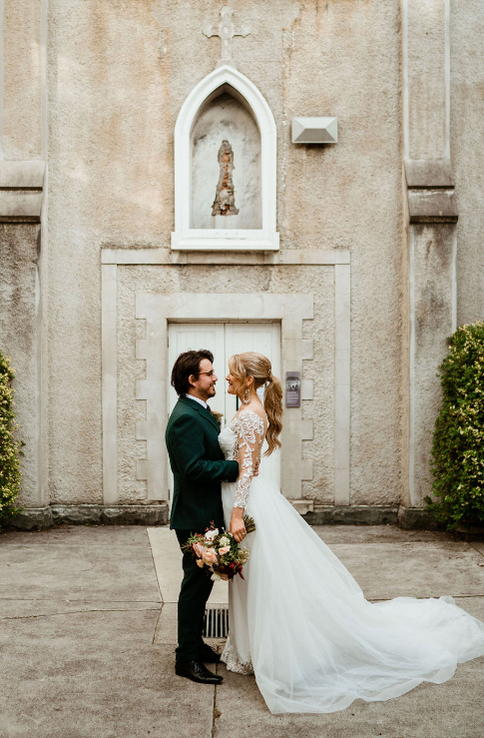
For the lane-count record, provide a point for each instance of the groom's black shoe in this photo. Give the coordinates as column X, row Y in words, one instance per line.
column 197, row 672
column 208, row 655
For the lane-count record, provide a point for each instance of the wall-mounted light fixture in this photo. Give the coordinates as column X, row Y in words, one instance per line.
column 314, row 130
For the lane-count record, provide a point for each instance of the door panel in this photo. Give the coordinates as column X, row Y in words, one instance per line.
column 224, row 340
column 265, row 339
column 194, row 336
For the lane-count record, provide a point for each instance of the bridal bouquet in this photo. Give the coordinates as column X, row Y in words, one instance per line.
column 218, row 552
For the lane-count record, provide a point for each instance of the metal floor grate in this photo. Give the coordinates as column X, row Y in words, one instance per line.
column 216, row 622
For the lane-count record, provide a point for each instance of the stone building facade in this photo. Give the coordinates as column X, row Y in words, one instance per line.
column 156, row 195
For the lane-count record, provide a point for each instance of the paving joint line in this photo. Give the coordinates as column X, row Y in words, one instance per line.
column 157, row 625
column 67, row 599
column 481, row 553
column 76, row 612
column 215, row 712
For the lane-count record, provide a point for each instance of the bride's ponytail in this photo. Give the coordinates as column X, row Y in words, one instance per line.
column 252, row 364
column 273, row 408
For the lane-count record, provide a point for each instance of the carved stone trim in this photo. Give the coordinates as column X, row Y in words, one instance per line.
column 289, row 257
column 21, row 185
column 158, row 310
column 203, row 239
column 430, row 192
column 342, row 308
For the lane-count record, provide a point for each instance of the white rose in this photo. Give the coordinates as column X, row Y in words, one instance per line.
column 210, row 534
column 224, row 541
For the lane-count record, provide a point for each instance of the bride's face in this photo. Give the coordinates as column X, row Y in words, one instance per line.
column 235, row 386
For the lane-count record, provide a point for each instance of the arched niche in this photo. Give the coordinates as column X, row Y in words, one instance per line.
column 225, row 167
column 226, row 190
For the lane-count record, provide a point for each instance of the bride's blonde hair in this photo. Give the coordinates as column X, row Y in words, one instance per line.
column 252, row 364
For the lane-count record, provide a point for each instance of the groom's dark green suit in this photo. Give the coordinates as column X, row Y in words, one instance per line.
column 198, row 467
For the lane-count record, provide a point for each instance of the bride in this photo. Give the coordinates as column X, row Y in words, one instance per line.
column 299, row 621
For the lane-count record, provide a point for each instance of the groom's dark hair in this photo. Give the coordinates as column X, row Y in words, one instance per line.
column 187, row 364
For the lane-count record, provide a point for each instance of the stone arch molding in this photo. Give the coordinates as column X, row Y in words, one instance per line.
column 184, row 237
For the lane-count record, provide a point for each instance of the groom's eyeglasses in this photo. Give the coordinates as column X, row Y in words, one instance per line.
column 209, row 374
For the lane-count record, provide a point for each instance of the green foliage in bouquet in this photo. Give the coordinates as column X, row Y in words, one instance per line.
column 218, row 553
column 9, row 447
column 458, row 443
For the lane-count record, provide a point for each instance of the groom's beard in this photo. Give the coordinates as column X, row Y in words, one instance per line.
column 211, row 392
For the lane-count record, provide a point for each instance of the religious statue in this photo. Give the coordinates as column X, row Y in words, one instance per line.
column 224, row 203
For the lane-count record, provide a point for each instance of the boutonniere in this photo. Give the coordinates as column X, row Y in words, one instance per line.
column 218, row 417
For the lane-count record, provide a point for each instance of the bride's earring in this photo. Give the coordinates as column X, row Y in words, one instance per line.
column 246, row 397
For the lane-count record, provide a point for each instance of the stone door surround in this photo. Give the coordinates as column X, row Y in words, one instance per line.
column 158, row 309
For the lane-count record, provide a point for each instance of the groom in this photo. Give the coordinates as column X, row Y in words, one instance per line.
column 198, row 467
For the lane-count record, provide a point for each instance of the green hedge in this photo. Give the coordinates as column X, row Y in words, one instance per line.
column 458, row 443
column 9, row 447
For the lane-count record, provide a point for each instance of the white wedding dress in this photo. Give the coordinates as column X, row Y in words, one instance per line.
column 300, row 622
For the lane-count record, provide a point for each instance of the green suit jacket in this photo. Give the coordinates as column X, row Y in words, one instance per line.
column 198, row 467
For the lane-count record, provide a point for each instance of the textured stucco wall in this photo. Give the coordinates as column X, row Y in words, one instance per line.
column 467, row 114
column 21, row 114
column 19, row 248
column 118, row 75
column 425, row 78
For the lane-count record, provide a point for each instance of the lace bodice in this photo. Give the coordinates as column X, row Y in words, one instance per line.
column 242, row 441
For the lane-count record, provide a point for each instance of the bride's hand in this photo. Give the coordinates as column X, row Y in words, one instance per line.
column 237, row 525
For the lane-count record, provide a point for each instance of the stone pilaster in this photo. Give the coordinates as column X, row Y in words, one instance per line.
column 430, row 243
column 23, row 147
column 20, row 313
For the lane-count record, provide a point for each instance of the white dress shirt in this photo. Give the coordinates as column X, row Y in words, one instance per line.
column 197, row 399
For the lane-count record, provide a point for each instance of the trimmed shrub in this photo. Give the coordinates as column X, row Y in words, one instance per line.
column 458, row 443
column 9, row 446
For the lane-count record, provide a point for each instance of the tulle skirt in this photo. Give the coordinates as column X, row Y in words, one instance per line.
column 300, row 622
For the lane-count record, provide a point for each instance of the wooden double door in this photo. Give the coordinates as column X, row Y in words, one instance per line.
column 224, row 340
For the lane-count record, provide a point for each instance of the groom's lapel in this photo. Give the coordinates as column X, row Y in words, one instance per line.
column 209, row 416
column 206, row 414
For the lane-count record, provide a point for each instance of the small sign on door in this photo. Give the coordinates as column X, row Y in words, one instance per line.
column 293, row 389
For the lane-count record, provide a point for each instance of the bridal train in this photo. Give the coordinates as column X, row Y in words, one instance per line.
column 300, row 622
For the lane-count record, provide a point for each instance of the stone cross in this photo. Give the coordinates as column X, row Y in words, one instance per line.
column 226, row 32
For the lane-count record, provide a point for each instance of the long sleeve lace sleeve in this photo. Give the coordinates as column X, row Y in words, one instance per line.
column 250, row 430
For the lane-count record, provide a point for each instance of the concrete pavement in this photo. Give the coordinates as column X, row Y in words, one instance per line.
column 87, row 639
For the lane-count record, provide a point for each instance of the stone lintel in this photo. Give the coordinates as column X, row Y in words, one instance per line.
column 432, row 206
column 429, row 173
column 286, row 257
